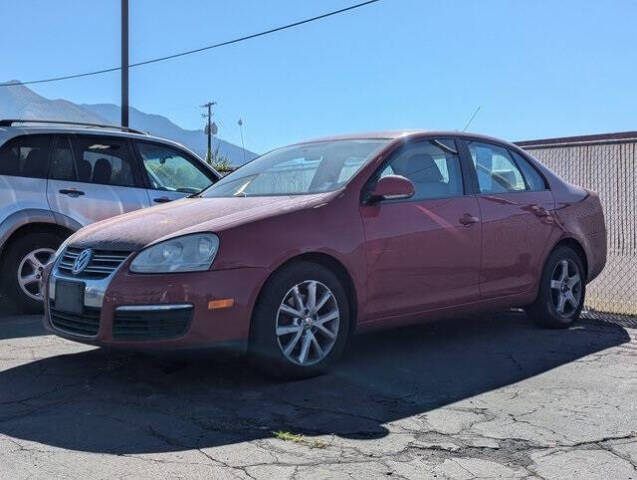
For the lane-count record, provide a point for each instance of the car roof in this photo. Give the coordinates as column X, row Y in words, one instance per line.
column 405, row 134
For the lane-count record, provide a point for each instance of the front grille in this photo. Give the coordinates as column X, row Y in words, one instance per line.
column 102, row 264
column 87, row 324
column 151, row 324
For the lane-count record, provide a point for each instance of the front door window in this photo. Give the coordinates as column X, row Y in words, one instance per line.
column 169, row 170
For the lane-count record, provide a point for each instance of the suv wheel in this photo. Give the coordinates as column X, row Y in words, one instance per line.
column 562, row 290
column 24, row 262
column 301, row 322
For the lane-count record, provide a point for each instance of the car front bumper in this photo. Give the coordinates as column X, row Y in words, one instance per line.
column 160, row 311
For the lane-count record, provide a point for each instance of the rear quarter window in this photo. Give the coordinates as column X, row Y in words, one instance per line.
column 535, row 182
column 25, row 156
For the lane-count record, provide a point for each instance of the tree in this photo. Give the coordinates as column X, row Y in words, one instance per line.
column 220, row 162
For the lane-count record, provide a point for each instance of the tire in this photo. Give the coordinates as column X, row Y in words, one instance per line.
column 274, row 313
column 554, row 308
column 27, row 255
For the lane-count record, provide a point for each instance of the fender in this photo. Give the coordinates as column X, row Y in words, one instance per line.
column 30, row 216
column 67, row 222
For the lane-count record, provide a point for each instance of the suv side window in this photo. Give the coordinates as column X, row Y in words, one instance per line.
column 496, row 170
column 534, row 180
column 26, row 156
column 434, row 171
column 103, row 160
column 168, row 169
column 62, row 164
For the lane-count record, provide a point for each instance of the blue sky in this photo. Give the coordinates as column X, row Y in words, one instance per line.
column 537, row 68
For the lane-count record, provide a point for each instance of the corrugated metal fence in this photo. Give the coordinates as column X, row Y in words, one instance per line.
column 606, row 164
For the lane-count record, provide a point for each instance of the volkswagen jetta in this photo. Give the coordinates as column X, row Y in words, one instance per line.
column 292, row 253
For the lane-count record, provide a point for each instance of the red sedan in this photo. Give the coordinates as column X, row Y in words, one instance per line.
column 293, row 252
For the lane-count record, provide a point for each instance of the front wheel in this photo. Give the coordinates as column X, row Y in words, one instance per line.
column 562, row 290
column 24, row 263
column 301, row 322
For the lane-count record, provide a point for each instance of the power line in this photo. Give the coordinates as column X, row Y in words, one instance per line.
column 197, row 50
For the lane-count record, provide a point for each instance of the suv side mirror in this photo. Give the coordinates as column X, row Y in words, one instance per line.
column 392, row 187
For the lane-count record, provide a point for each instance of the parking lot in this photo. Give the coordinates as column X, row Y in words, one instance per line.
column 489, row 397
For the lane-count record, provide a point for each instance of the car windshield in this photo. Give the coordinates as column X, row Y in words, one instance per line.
column 298, row 170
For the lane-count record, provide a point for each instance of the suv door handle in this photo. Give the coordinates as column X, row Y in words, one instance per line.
column 71, row 192
column 468, row 220
column 162, row 200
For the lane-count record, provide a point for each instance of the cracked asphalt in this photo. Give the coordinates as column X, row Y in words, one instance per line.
column 474, row 398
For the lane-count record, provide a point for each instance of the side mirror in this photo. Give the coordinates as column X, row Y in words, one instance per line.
column 392, row 187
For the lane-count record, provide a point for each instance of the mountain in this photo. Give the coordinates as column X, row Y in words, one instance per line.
column 21, row 102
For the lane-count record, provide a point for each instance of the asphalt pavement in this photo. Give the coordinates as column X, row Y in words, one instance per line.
column 472, row 398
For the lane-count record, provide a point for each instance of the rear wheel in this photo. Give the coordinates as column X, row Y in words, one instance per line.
column 24, row 263
column 301, row 322
column 562, row 290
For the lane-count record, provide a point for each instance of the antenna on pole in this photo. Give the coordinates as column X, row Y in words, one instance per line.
column 472, row 117
column 243, row 147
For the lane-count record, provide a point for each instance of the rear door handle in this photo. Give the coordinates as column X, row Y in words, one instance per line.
column 71, row 192
column 162, row 200
column 468, row 220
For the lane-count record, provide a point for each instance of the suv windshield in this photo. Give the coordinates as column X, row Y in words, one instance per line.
column 298, row 170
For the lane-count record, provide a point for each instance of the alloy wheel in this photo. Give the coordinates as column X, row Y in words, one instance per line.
column 31, row 269
column 307, row 323
column 566, row 287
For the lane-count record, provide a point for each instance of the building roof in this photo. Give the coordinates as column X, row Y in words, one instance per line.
column 598, row 139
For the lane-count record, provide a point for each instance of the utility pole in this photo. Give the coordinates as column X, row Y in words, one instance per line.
column 211, row 128
column 124, row 63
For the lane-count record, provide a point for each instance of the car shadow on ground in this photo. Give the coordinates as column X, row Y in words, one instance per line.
column 20, row 326
column 7, row 307
column 96, row 401
column 13, row 325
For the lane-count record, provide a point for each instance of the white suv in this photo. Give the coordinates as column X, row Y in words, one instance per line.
column 56, row 177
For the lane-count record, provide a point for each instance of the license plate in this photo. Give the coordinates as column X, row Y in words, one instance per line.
column 69, row 296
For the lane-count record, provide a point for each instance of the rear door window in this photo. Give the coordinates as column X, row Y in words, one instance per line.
column 496, row 170
column 26, row 156
column 103, row 160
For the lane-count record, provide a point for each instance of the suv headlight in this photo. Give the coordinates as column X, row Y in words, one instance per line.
column 190, row 253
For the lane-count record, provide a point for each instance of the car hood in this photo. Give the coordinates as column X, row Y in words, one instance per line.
column 135, row 230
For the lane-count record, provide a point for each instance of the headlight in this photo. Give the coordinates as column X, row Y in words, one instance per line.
column 190, row 253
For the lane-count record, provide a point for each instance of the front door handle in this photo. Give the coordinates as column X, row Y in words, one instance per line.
column 468, row 220
column 162, row 200
column 540, row 211
column 71, row 192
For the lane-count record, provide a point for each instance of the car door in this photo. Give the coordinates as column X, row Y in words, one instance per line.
column 422, row 253
column 172, row 173
column 93, row 177
column 515, row 207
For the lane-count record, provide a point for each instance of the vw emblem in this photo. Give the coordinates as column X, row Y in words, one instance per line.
column 82, row 261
